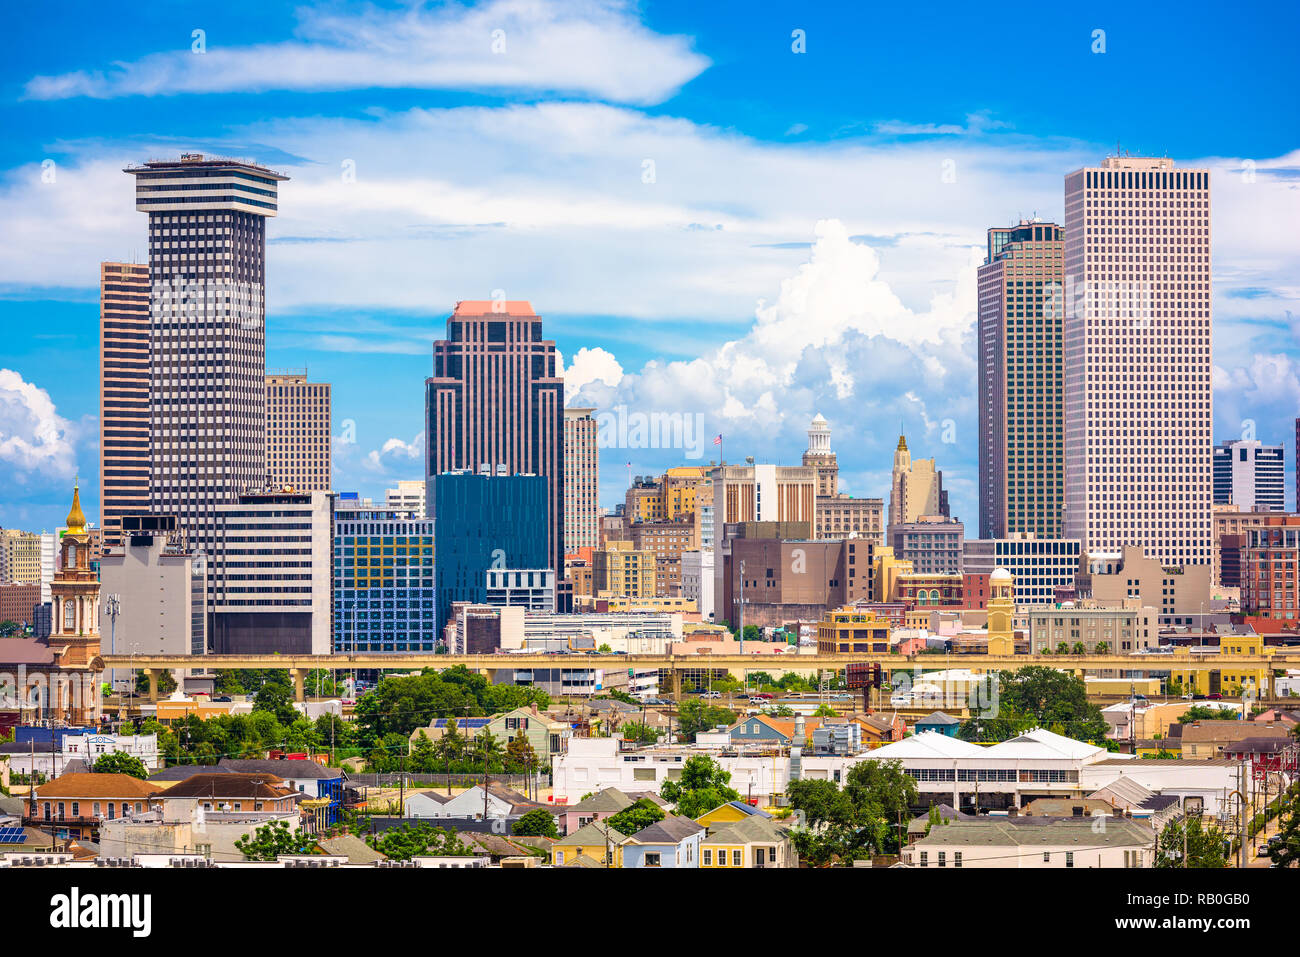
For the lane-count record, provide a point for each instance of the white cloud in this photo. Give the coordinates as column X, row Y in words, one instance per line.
column 395, row 453
column 597, row 48
column 34, row 438
column 590, row 365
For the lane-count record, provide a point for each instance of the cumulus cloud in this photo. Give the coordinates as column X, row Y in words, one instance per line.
column 837, row 340
column 34, row 438
column 598, row 48
column 395, row 453
column 590, row 365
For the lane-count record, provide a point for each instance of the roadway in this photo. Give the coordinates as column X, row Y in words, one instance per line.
column 299, row 665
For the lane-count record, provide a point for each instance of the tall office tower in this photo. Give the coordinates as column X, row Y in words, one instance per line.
column 916, row 488
column 384, row 591
column 581, row 481
column 1250, row 475
column 407, row 497
column 207, row 336
column 1138, row 404
column 496, row 398
column 485, row 522
column 820, row 456
column 1021, row 374
column 297, row 433
column 123, row 395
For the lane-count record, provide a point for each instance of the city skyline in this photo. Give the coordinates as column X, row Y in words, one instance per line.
column 863, row 314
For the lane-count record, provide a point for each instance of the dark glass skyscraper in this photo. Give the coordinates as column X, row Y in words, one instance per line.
column 496, row 402
column 485, row 521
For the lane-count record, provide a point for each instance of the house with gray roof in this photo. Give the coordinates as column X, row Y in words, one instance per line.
column 1034, row 842
column 673, row 842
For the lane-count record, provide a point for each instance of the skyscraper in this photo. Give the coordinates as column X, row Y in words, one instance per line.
column 820, row 456
column 1250, row 475
column 297, row 433
column 1138, row 403
column 496, row 398
column 1021, row 374
column 123, row 395
column 916, row 487
column 207, row 335
column 581, row 481
column 485, row 521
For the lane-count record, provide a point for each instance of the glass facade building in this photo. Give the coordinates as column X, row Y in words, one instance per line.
column 383, row 581
column 481, row 522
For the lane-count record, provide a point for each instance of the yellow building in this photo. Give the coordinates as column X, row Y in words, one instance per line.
column 728, row 813
column 887, row 570
column 1230, row 678
column 755, row 841
column 847, row 630
column 20, row 556
column 619, row 570
column 686, row 606
column 597, row 841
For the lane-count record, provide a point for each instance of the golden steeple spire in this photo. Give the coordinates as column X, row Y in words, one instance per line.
column 76, row 517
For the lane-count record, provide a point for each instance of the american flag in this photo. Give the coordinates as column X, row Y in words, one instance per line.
column 718, row 440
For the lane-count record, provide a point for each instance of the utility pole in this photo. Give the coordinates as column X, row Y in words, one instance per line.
column 740, row 614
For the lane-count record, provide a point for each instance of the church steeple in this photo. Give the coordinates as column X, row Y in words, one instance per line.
column 76, row 521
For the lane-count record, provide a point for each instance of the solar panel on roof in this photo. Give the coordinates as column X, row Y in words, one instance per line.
column 11, row 835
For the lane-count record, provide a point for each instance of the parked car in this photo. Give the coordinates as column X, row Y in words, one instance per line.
column 1215, row 696
column 762, row 696
column 713, row 694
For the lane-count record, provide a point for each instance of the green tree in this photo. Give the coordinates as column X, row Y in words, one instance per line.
column 276, row 700
column 1200, row 712
column 824, row 711
column 1103, row 647
column 1062, row 648
column 488, row 750
column 8, row 627
column 166, row 683
column 271, row 840
column 423, row 759
column 119, row 762
column 406, row 841
column 867, row 816
column 639, row 733
column 703, row 786
column 1079, row 648
column 636, row 816
column 1286, row 852
column 605, row 649
column 1204, row 845
column 696, row 716
column 1037, row 695
column 520, row 754
column 538, row 822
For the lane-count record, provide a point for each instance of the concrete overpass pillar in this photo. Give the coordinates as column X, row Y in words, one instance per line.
column 298, row 677
column 154, row 675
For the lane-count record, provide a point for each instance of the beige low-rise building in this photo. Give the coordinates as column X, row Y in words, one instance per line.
column 1034, row 842
column 1127, row 628
column 1180, row 595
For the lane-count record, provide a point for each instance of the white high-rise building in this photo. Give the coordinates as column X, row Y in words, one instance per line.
column 1138, row 406
column 1250, row 475
column 407, row 497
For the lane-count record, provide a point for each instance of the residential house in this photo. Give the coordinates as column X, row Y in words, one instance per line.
column 779, row 732
column 237, row 791
column 350, row 846
column 596, row 807
column 939, row 723
column 1211, row 739
column 90, row 746
column 730, row 813
column 1033, row 842
column 878, row 729
column 544, row 733
column 754, row 842
column 73, row 805
column 597, row 841
column 672, row 842
column 465, row 727
column 305, row 776
column 202, row 823
column 918, row 827
column 501, row 802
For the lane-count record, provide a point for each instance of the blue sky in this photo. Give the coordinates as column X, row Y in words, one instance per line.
column 711, row 223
